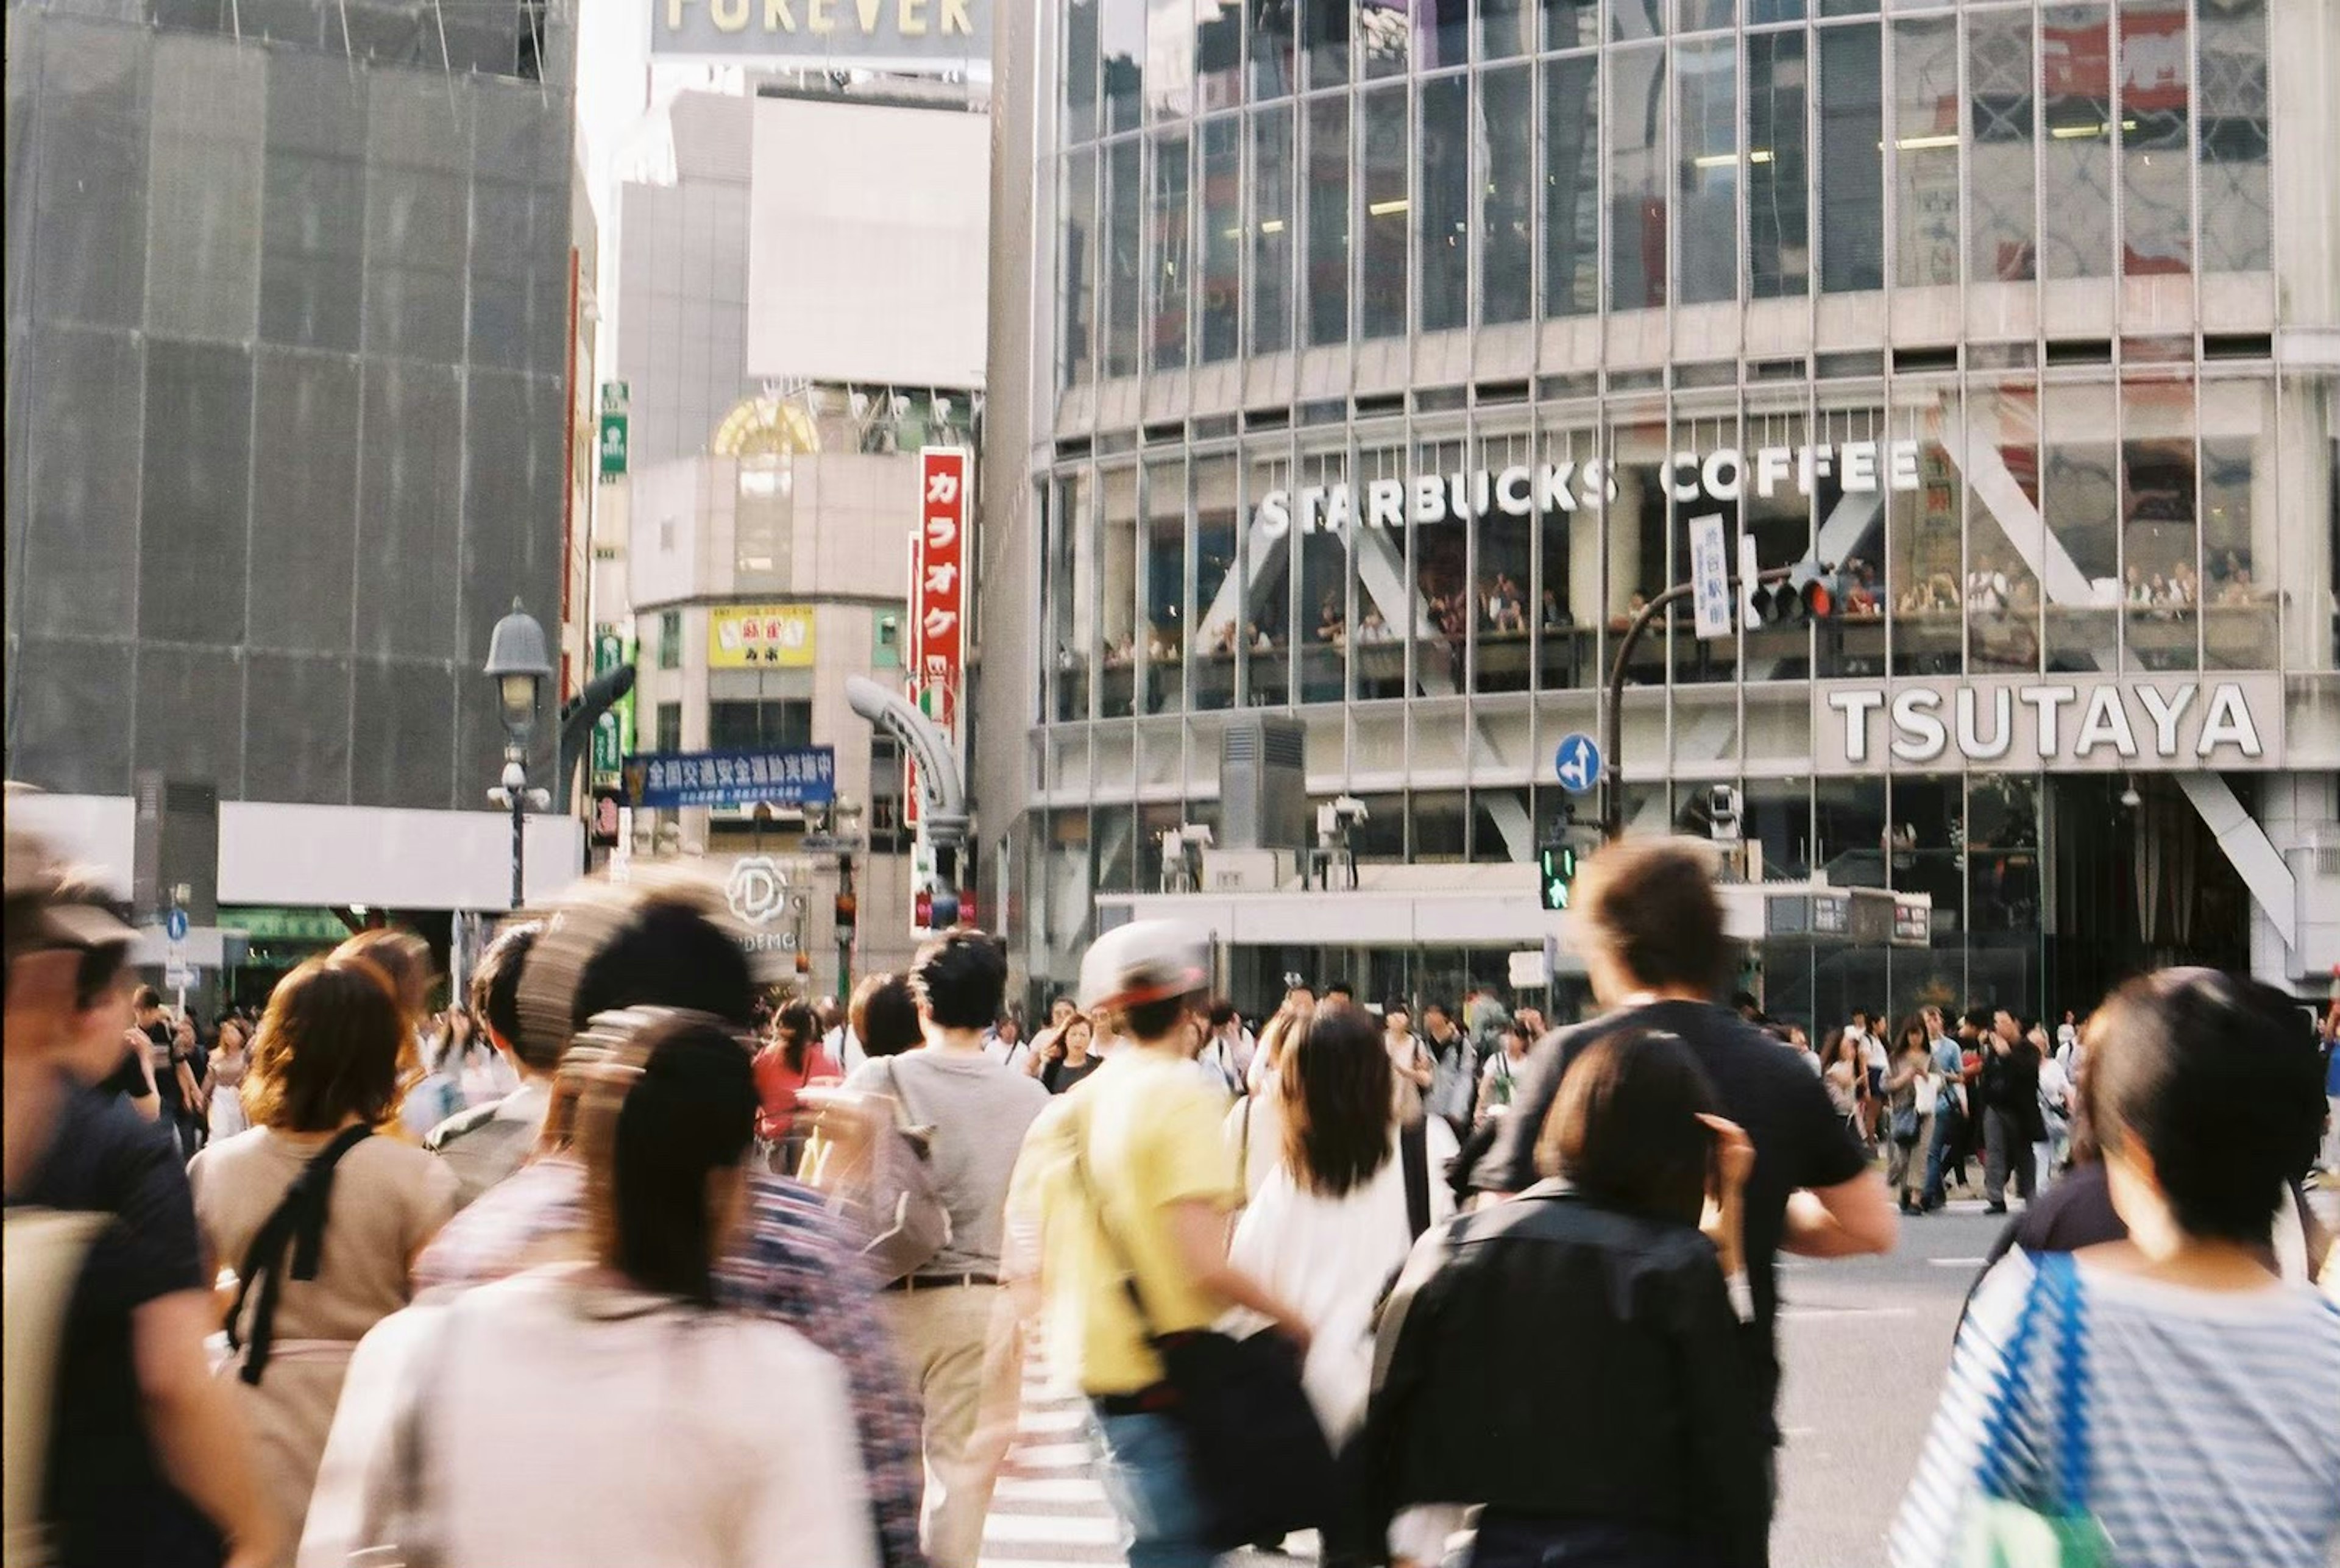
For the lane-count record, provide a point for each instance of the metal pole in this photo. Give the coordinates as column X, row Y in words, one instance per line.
column 1612, row 711
column 845, row 933
column 519, row 806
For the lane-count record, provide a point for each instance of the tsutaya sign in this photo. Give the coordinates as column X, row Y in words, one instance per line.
column 938, row 33
column 2173, row 723
column 1522, row 491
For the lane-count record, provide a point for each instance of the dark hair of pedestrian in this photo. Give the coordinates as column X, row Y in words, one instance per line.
column 1342, row 989
column 2214, row 1078
column 1651, row 907
column 1912, row 1032
column 666, row 954
column 794, row 1029
column 959, row 978
column 328, row 1048
column 1223, row 1013
column 1339, row 1100
column 495, row 987
column 403, row 958
column 885, row 1016
column 1625, row 1128
column 145, row 999
column 1156, row 1020
column 678, row 1108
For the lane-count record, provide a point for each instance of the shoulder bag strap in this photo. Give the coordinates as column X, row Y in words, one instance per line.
column 298, row 1225
column 1990, row 1466
column 1414, row 1152
column 906, row 1117
column 1080, row 1131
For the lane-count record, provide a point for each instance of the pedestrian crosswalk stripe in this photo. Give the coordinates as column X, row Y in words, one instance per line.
column 1049, row 1529
column 1071, row 1418
column 1050, row 1489
column 1053, row 1457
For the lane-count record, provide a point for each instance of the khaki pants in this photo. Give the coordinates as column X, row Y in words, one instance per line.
column 960, row 1346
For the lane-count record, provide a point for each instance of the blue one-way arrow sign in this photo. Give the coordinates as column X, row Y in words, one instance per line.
column 1578, row 763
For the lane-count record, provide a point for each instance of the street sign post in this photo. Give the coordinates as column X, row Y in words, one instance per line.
column 174, row 925
column 1578, row 763
column 1710, row 576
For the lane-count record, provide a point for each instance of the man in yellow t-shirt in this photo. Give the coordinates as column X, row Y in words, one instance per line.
column 1124, row 1185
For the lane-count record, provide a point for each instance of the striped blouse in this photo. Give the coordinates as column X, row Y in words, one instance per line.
column 2214, row 1423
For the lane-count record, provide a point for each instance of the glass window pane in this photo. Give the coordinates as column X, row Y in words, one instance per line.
column 1169, row 59
column 1852, row 173
column 1444, row 203
column 1382, row 283
column 1507, row 211
column 1572, row 187
column 1081, row 70
column 1637, row 178
column 1272, row 223
column 1778, row 215
column 1926, row 151
column 2002, row 590
column 2079, row 501
column 2161, row 584
column 1215, row 617
column 1570, row 23
column 1632, row 19
column 1166, row 251
column 1274, row 61
column 1696, row 658
column 1223, row 238
column 1707, row 149
column 1923, row 548
column 1121, row 34
column 1076, row 211
column 1265, row 662
column 2232, row 76
column 1569, row 603
column 1442, row 575
column 1852, row 535
column 1386, row 609
column 1778, row 514
column 1117, row 607
column 2156, row 178
column 1635, row 524
column 1324, row 31
column 1503, row 569
column 1124, row 200
column 1219, row 52
column 1162, row 647
column 2237, row 524
column 1323, row 582
column 2077, row 160
column 1072, row 609
column 1328, row 221
column 1384, row 37
column 1444, row 28
column 1506, row 27
column 2002, row 186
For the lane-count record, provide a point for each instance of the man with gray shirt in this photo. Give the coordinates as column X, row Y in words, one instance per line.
column 485, row 1143
column 955, row 1324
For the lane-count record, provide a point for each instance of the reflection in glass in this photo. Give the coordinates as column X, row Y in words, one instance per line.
column 1215, row 615
column 1219, row 52
column 1444, row 202
column 1328, row 221
column 1080, row 70
column 2079, row 501
column 1506, row 28
column 1076, row 204
column 1161, row 646
column 2238, row 599
column 1265, row 601
column 1707, row 150
column 2232, row 78
column 1168, row 221
column 1567, row 608
column 1386, row 614
column 1852, row 173
column 1632, row 19
column 1926, row 151
column 1507, row 204
column 1121, row 34
column 1324, row 31
column 1384, row 37
column 1271, row 241
column 2001, row 183
column 1637, row 178
column 1695, row 657
column 1223, row 239
column 2075, row 162
column 1779, row 214
column 1274, row 48
column 1382, row 279
column 1636, row 528
column 1125, row 202
column 2002, row 592
column 1324, row 626
column 1072, row 623
column 1117, row 605
column 2161, row 583
column 1441, row 577
column 1570, row 23
column 1572, row 218
column 1504, row 571
column 1778, row 515
column 1169, row 59
column 1924, row 550
column 2156, row 178
column 1851, row 537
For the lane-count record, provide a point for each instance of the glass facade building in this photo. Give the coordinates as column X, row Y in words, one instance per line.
column 289, row 326
column 1386, row 350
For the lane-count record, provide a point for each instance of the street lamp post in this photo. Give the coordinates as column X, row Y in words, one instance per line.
column 519, row 666
column 847, row 816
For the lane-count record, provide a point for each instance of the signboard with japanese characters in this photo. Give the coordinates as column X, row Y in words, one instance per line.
column 780, row 775
column 939, row 558
column 759, row 637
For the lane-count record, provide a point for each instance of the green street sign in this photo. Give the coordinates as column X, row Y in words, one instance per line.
column 614, row 446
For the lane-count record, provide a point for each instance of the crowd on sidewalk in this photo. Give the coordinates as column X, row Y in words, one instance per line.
column 625, row 1260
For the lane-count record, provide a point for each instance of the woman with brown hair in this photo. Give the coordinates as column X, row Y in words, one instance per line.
column 319, row 1220
column 792, row 1063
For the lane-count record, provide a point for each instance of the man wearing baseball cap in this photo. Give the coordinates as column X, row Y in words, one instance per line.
column 1125, row 1182
column 144, row 1458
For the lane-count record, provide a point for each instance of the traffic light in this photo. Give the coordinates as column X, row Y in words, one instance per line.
column 1808, row 593
column 1558, row 865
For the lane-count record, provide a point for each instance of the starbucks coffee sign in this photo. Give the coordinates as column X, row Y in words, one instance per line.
column 2164, row 723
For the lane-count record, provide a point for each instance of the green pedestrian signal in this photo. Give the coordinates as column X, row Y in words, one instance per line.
column 1559, row 868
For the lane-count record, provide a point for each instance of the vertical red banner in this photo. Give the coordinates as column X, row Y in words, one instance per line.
column 939, row 558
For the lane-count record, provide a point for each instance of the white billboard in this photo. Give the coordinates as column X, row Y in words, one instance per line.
column 867, row 244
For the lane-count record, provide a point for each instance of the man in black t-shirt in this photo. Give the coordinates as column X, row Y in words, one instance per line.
column 1649, row 925
column 147, row 1460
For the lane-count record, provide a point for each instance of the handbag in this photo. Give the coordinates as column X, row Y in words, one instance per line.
column 889, row 1191
column 2001, row 1529
column 1258, row 1459
column 1905, row 1124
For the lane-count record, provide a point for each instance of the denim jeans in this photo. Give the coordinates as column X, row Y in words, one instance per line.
column 1145, row 1475
column 1949, row 1125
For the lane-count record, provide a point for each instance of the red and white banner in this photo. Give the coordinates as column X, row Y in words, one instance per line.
column 938, row 559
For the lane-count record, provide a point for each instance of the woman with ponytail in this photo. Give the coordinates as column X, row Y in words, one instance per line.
column 605, row 1411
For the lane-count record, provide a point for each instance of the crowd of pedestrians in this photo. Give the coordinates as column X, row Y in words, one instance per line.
column 622, row 1261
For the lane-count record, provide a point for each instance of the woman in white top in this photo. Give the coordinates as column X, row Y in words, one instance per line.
column 2170, row 1386
column 605, row 1413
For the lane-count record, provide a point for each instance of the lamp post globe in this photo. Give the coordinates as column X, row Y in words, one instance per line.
column 519, row 665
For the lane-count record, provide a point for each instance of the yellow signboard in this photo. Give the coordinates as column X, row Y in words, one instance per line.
column 759, row 637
